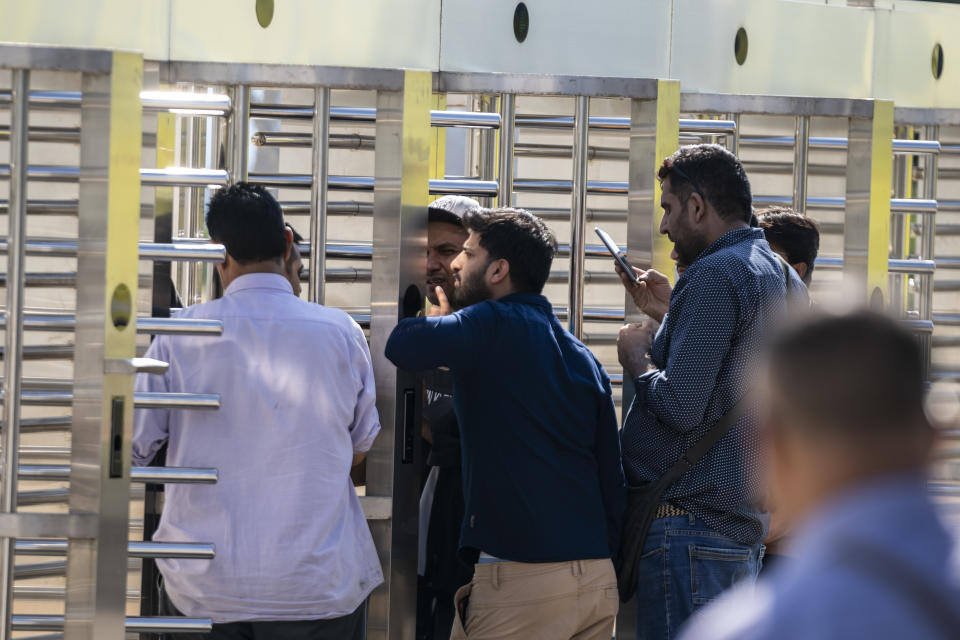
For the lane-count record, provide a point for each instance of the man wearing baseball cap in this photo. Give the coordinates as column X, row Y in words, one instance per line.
column 441, row 504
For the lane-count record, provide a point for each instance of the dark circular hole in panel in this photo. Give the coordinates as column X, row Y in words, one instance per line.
column 936, row 61
column 121, row 306
column 412, row 301
column 740, row 45
column 264, row 12
column 521, row 22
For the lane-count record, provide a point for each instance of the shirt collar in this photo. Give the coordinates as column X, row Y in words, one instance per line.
column 731, row 238
column 272, row 281
column 534, row 299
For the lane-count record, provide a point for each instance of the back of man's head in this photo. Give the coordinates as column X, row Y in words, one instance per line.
column 248, row 221
column 520, row 238
column 713, row 172
column 795, row 235
column 852, row 385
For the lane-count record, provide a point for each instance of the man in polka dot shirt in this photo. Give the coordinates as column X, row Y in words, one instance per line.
column 688, row 372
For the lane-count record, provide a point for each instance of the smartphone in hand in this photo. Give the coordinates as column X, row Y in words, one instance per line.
column 617, row 254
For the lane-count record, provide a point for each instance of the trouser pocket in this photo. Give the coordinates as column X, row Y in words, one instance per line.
column 461, row 601
column 713, row 570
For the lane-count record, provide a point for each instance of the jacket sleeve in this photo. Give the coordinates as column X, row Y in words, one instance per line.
column 613, row 487
column 419, row 344
column 705, row 326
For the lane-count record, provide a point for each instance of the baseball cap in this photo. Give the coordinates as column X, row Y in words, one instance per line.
column 451, row 209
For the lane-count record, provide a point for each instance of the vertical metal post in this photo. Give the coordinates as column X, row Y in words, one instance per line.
column 318, row 194
column 401, row 193
column 110, row 138
column 16, row 239
column 931, row 169
column 578, row 208
column 239, row 128
column 654, row 135
column 866, row 226
column 508, row 111
column 734, row 138
column 900, row 225
column 192, row 209
column 801, row 152
column 488, row 150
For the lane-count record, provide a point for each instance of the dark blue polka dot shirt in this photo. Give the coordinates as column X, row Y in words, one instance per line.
column 720, row 310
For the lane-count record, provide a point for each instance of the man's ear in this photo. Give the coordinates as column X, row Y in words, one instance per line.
column 288, row 238
column 498, row 271
column 800, row 268
column 699, row 206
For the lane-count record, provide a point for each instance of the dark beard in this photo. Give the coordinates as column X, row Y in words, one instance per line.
column 471, row 291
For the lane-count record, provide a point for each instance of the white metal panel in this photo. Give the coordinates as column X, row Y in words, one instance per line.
column 795, row 48
column 905, row 41
column 371, row 33
column 104, row 24
column 622, row 38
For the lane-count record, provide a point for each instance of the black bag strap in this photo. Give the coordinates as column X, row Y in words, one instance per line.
column 720, row 428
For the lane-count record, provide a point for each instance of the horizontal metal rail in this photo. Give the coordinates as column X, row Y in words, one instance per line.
column 29, row 592
column 145, row 325
column 301, row 139
column 146, row 475
column 336, row 208
column 906, row 206
column 141, row 400
column 900, row 146
column 149, row 177
column 49, row 423
column 134, row 624
column 368, row 115
column 52, row 207
column 185, row 550
column 156, row 251
column 609, row 123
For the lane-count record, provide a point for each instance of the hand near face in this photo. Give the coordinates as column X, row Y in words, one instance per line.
column 633, row 346
column 651, row 294
column 442, row 308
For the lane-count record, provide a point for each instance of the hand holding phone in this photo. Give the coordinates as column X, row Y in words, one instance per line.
column 617, row 255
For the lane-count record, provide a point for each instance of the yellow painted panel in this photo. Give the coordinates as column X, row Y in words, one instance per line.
column 668, row 140
column 881, row 168
column 138, row 25
column 417, row 138
column 438, row 143
column 123, row 200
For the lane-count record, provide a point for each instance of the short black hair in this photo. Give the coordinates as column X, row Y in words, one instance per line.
column 797, row 235
column 248, row 221
column 520, row 238
column 713, row 172
column 861, row 374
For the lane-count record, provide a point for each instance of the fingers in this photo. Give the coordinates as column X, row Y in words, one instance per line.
column 444, row 302
column 653, row 276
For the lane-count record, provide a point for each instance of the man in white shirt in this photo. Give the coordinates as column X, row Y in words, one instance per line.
column 294, row 554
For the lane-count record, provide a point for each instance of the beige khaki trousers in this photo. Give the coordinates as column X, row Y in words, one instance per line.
column 550, row 601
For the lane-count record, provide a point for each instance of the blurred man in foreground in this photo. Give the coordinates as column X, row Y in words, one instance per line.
column 848, row 451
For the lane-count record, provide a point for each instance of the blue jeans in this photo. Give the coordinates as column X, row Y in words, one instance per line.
column 686, row 564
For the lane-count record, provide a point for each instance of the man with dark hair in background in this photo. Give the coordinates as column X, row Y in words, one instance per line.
column 295, row 558
column 847, row 453
column 542, row 479
column 708, row 530
column 441, row 503
column 794, row 237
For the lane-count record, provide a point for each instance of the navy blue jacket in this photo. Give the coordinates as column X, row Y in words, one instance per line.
column 542, row 476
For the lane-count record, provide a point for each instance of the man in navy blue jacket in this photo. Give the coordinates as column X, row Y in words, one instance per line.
column 543, row 482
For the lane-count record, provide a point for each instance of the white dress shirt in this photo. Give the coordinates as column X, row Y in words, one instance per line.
column 297, row 401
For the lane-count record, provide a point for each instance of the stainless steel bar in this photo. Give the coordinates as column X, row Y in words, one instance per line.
column 135, row 549
column 900, row 146
column 298, row 139
column 687, row 125
column 65, row 135
column 238, row 125
column 565, row 186
column 25, row 592
column 475, row 188
column 928, row 225
column 468, row 119
column 487, row 146
column 45, row 173
column 51, row 423
column 801, row 153
column 141, row 400
column 339, row 208
column 544, row 150
column 193, row 251
column 13, row 344
column 146, row 475
column 368, row 115
column 578, row 206
column 908, row 206
column 182, row 177
column 505, row 177
column 145, row 325
column 46, row 99
column 185, row 103
column 318, row 193
column 46, row 207
column 36, row 622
